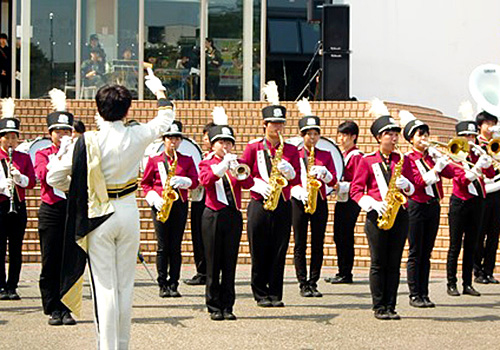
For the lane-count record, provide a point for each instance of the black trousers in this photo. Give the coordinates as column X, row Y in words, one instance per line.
column 12, row 228
column 344, row 222
column 51, row 220
column 268, row 235
column 169, row 236
column 486, row 251
column 197, row 209
column 424, row 225
column 300, row 222
column 221, row 237
column 464, row 218
column 386, row 250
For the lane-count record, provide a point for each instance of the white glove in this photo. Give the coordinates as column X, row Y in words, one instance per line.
column 483, row 162
column 441, row 163
column 5, row 186
column 221, row 168
column 261, row 187
column 153, row 83
column 286, row 169
column 430, row 178
column 181, row 182
column 402, row 183
column 379, row 207
column 299, row 193
column 471, row 175
column 158, row 203
column 434, row 153
column 65, row 143
column 343, row 187
column 495, row 129
column 230, row 157
column 476, row 150
column 16, row 175
column 321, row 173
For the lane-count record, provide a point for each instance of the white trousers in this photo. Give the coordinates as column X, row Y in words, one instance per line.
column 112, row 252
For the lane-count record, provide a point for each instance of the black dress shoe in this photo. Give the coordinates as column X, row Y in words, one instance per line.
column 417, row 301
column 228, row 315
column 67, row 319
column 481, row 279
column 174, row 293
column 315, row 292
column 164, row 292
column 452, row 290
column 469, row 290
column 197, row 280
column 13, row 295
column 305, row 291
column 216, row 316
column 264, row 303
column 381, row 314
column 428, row 302
column 4, row 295
column 393, row 315
column 492, row 279
column 341, row 280
column 55, row 319
column 277, row 303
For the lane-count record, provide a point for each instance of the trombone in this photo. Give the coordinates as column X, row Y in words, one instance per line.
column 493, row 148
column 457, row 149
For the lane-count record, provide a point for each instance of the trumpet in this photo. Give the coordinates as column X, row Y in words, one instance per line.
column 12, row 209
column 491, row 145
column 240, row 171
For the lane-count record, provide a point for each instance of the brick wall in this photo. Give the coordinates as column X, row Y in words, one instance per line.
column 246, row 119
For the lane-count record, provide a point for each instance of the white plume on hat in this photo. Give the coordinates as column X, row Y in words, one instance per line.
column 378, row 108
column 465, row 111
column 8, row 107
column 219, row 116
column 405, row 117
column 270, row 91
column 304, row 107
column 58, row 100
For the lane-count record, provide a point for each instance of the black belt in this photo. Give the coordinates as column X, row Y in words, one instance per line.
column 122, row 192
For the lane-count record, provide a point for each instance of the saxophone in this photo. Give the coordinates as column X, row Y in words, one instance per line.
column 169, row 195
column 276, row 180
column 313, row 186
column 394, row 198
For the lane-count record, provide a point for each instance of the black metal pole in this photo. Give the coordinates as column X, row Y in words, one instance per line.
column 51, row 41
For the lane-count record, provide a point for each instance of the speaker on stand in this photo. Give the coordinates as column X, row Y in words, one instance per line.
column 336, row 54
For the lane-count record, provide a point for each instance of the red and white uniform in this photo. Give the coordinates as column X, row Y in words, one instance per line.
column 155, row 174
column 216, row 198
column 254, row 157
column 49, row 194
column 369, row 179
column 352, row 157
column 464, row 188
column 22, row 162
column 421, row 164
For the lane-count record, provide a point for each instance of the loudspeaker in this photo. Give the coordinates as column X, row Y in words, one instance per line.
column 314, row 10
column 335, row 28
column 335, row 76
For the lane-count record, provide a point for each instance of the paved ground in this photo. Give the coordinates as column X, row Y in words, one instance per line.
column 342, row 319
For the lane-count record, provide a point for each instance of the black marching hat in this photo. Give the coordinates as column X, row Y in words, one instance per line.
column 275, row 112
column 60, row 120
column 384, row 123
column 466, row 127
column 9, row 123
column 309, row 122
column 221, row 132
column 175, row 129
column 410, row 128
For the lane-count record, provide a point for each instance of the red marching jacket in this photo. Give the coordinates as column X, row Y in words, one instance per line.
column 42, row 158
column 216, row 198
column 22, row 162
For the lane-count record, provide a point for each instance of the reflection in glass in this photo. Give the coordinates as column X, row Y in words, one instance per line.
column 172, row 46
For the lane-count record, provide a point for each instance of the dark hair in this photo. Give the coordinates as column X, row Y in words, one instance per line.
column 79, row 126
column 303, row 133
column 211, row 41
column 207, row 127
column 485, row 116
column 349, row 127
column 4, row 36
column 421, row 130
column 96, row 50
column 113, row 102
column 94, row 37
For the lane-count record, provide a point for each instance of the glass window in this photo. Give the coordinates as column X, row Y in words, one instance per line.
column 109, row 45
column 256, row 51
column 284, row 36
column 171, row 45
column 52, row 47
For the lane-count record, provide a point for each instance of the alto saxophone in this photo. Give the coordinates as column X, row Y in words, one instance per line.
column 276, row 180
column 394, row 198
column 313, row 186
column 169, row 195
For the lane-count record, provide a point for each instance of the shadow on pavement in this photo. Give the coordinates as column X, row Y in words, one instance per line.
column 485, row 318
column 326, row 318
column 172, row 306
column 174, row 321
column 335, row 306
column 22, row 310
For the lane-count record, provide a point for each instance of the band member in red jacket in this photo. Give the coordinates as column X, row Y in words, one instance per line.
column 346, row 209
column 428, row 166
column 486, row 252
column 16, row 175
column 222, row 220
column 320, row 172
column 466, row 212
column 169, row 233
column 269, row 230
column 369, row 189
column 52, row 212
